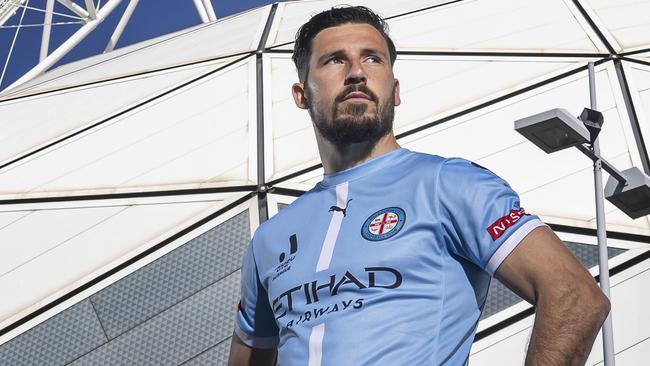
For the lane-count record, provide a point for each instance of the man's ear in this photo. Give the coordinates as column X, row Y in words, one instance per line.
column 298, row 91
column 397, row 99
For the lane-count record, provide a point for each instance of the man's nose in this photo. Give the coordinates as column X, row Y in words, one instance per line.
column 356, row 74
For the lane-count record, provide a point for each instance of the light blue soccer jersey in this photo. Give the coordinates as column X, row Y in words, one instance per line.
column 385, row 263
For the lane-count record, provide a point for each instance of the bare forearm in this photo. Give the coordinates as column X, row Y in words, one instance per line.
column 243, row 355
column 565, row 329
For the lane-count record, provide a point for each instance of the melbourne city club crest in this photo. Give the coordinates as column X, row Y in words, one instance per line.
column 383, row 224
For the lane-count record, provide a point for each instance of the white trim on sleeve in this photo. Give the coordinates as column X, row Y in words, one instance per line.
column 510, row 244
column 256, row 342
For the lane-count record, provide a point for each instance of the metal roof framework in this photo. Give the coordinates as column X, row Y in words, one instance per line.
column 89, row 15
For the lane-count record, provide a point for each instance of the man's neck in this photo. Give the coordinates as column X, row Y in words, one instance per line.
column 336, row 158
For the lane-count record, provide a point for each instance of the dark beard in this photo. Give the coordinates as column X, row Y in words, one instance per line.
column 351, row 126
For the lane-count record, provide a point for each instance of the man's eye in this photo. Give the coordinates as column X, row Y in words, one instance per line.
column 374, row 59
column 334, row 60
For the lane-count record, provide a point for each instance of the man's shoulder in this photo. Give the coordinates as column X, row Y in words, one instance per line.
column 419, row 163
column 451, row 175
column 449, row 166
column 457, row 170
column 420, row 158
column 454, row 167
column 416, row 157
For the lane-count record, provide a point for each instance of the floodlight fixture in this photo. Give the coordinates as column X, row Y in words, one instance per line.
column 593, row 121
column 631, row 196
column 553, row 130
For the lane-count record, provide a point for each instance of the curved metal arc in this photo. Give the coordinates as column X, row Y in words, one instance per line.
column 68, row 45
column 47, row 27
column 53, row 12
column 124, row 20
column 13, row 43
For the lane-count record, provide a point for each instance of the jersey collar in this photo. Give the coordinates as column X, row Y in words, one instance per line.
column 365, row 168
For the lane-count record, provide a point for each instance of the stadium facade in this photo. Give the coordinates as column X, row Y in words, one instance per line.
column 131, row 182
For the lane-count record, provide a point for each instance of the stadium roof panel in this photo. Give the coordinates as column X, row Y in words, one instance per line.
column 229, row 36
column 47, row 244
column 172, row 140
column 503, row 26
column 626, row 20
column 26, row 129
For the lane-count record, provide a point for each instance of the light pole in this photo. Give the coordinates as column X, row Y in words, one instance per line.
column 601, row 232
column 556, row 130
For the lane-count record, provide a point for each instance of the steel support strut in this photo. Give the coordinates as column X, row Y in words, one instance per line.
column 124, row 20
column 47, row 27
column 68, row 45
column 262, row 188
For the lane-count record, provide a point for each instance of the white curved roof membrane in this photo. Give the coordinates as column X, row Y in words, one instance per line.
column 626, row 20
column 207, row 111
column 233, row 35
column 291, row 15
column 170, row 140
column 26, row 129
column 505, row 25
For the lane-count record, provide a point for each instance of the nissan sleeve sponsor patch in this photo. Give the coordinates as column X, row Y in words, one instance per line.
column 502, row 224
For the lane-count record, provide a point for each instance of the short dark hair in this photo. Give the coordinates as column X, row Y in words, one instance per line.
column 331, row 18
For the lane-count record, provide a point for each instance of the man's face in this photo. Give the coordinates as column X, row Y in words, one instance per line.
column 350, row 90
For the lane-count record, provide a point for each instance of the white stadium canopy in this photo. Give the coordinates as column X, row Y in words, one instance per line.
column 111, row 164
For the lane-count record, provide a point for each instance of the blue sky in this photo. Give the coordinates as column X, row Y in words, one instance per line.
column 150, row 19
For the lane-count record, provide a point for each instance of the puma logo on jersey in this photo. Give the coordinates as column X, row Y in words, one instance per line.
column 337, row 208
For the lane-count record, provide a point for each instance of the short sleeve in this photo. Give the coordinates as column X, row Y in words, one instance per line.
column 481, row 214
column 255, row 324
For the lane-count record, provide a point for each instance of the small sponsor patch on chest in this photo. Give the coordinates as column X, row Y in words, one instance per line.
column 383, row 224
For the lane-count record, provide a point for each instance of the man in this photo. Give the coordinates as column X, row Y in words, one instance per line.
column 388, row 259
